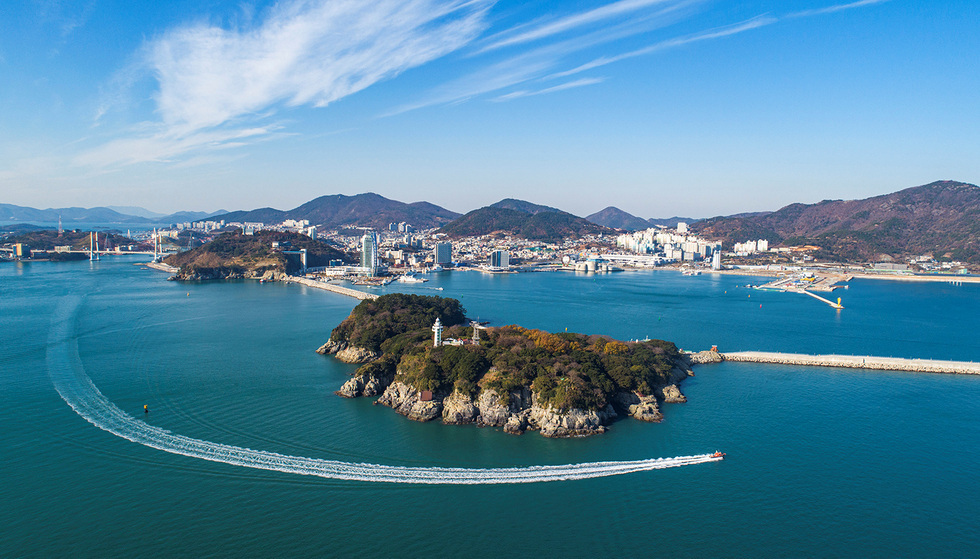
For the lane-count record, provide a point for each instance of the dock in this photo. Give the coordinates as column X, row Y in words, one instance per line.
column 330, row 287
column 856, row 362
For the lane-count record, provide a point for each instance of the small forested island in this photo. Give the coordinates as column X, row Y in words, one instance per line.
column 266, row 254
column 564, row 385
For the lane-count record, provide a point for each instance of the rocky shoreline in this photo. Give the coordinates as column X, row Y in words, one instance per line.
column 209, row 274
column 516, row 411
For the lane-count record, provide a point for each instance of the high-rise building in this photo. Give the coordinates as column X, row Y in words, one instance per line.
column 500, row 259
column 443, row 253
column 681, row 227
column 369, row 252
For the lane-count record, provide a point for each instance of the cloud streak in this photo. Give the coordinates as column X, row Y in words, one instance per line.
column 727, row 31
column 568, row 85
column 302, row 53
column 837, row 8
column 571, row 22
column 218, row 87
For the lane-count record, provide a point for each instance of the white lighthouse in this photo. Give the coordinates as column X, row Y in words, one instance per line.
column 437, row 333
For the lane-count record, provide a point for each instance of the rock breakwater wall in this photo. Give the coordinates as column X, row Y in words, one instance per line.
column 855, row 362
column 331, row 287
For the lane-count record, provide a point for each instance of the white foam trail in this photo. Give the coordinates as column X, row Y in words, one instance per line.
column 77, row 389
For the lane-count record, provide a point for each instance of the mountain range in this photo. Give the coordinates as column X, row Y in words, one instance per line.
column 941, row 218
column 10, row 212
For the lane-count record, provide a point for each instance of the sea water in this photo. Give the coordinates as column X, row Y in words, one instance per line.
column 821, row 462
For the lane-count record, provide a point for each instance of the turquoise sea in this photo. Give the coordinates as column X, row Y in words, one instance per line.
column 821, row 462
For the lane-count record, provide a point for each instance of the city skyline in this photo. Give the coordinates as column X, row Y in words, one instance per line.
column 658, row 107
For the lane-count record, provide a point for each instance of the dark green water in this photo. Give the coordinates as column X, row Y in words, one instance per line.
column 822, row 462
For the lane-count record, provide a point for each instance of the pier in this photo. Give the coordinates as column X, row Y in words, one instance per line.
column 330, row 287
column 855, row 362
column 836, row 305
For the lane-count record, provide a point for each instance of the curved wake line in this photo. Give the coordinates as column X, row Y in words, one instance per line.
column 78, row 391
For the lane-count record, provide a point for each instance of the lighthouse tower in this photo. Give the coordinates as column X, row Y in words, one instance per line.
column 437, row 333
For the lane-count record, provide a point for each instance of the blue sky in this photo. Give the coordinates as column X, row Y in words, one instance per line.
column 659, row 107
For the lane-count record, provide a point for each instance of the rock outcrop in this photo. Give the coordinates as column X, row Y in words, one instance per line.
column 353, row 354
column 703, row 357
column 406, row 400
column 573, row 423
column 671, row 394
column 331, row 347
column 459, row 409
column 223, row 273
column 365, row 385
column 644, row 408
column 516, row 412
column 347, row 353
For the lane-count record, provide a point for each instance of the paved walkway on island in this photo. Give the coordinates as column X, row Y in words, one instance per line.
column 856, row 362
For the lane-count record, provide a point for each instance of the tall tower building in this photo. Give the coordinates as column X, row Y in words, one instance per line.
column 500, row 259
column 369, row 252
column 443, row 253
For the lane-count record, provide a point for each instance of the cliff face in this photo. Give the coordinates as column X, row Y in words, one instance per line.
column 229, row 272
column 516, row 411
column 348, row 353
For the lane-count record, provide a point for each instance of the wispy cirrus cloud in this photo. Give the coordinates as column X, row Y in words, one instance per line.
column 837, row 8
column 726, row 31
column 561, row 87
column 211, row 79
column 218, row 87
column 570, row 22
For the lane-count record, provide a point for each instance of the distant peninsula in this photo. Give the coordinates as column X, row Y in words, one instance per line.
column 266, row 255
column 520, row 379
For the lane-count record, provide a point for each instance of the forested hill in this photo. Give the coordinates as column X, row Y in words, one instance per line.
column 618, row 219
column 233, row 255
column 541, row 226
column 942, row 218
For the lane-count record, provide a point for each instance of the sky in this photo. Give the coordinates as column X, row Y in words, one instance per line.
column 659, row 107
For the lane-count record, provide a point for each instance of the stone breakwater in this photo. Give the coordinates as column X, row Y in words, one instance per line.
column 162, row 267
column 854, row 362
column 330, row 287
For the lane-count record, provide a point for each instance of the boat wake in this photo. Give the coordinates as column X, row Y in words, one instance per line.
column 78, row 391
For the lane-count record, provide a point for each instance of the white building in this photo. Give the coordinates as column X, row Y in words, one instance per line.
column 369, row 252
column 500, row 259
